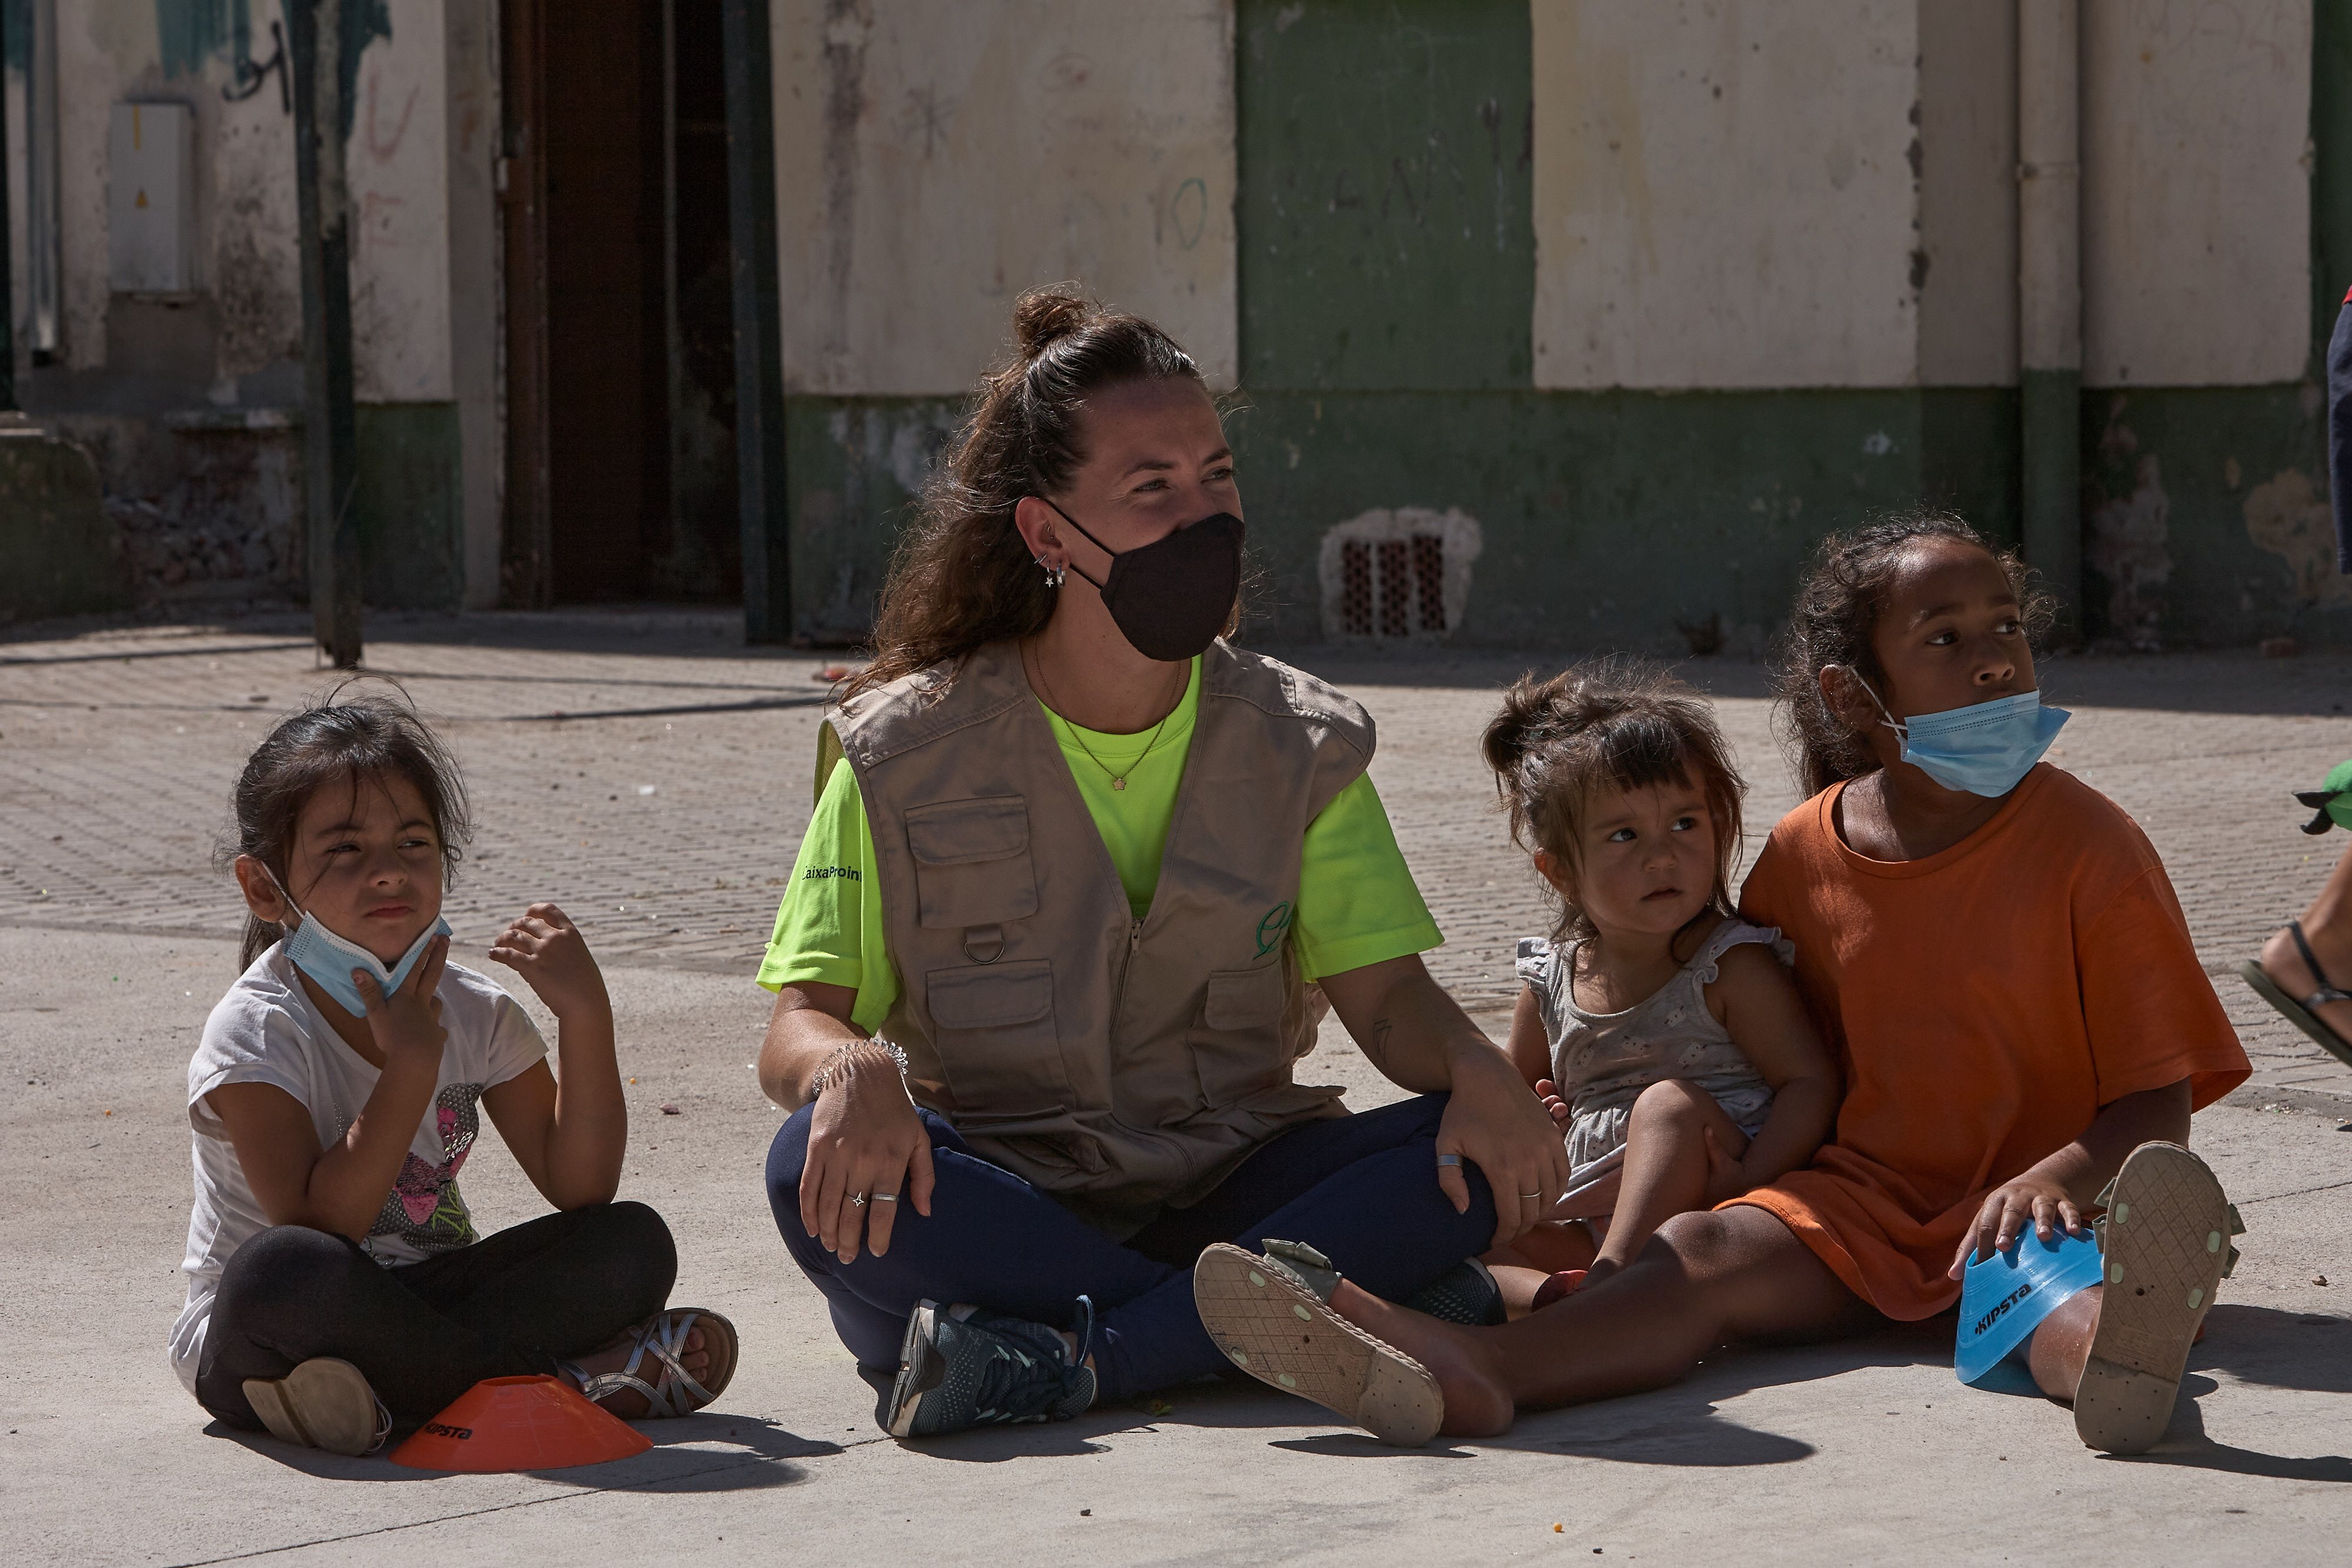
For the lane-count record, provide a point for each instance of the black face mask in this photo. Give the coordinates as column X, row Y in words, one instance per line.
column 1172, row 597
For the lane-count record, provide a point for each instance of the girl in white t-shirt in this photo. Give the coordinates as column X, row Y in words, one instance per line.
column 336, row 1283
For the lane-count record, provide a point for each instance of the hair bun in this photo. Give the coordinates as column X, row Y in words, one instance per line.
column 1045, row 315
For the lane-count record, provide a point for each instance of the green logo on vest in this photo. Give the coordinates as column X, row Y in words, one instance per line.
column 1270, row 929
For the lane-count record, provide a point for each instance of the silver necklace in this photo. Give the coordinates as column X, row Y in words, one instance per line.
column 1117, row 780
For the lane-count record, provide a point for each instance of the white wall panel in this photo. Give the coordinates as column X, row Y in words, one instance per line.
column 2195, row 195
column 936, row 157
column 1724, row 195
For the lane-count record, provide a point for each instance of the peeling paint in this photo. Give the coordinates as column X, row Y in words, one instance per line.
column 2127, row 546
column 2288, row 517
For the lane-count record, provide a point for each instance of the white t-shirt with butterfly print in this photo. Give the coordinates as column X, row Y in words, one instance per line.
column 265, row 1031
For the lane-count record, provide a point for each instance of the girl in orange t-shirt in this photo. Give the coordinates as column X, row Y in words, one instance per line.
column 1996, row 953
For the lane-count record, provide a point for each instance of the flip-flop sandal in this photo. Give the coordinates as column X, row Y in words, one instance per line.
column 323, row 1403
column 1270, row 1317
column 2304, row 1013
column 662, row 1336
column 2166, row 1244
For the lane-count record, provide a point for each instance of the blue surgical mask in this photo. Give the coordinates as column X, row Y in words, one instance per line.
column 330, row 959
column 1985, row 748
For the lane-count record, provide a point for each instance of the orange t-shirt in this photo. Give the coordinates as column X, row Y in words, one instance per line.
column 1985, row 1002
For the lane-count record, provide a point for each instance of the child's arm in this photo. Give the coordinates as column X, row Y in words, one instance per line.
column 1765, row 1016
column 2056, row 1190
column 1529, row 1048
column 568, row 1133
column 1530, row 1052
column 342, row 1189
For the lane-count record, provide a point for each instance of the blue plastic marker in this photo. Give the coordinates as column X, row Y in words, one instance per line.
column 2004, row 1298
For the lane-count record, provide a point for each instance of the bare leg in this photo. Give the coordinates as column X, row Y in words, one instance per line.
column 1521, row 1268
column 2063, row 1344
column 1666, row 1167
column 2327, row 924
column 1705, row 1278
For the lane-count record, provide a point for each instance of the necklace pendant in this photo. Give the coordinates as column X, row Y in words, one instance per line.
column 1119, row 783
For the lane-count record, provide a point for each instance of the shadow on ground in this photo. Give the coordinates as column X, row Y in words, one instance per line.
column 706, row 1452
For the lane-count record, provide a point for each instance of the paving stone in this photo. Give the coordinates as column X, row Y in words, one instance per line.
column 652, row 775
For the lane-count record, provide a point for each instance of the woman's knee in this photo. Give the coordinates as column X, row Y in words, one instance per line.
column 787, row 1158
column 788, row 1154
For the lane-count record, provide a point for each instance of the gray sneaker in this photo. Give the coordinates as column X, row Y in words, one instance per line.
column 960, row 1367
column 1466, row 1293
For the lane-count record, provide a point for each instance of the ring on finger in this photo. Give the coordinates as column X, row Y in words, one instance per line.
column 857, row 1200
column 1528, row 1196
column 885, row 1197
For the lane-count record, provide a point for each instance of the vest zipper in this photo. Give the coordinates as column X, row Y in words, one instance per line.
column 1118, row 997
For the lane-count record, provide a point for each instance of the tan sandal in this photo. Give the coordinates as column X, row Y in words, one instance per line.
column 1274, row 1323
column 323, row 1403
column 2165, row 1241
column 673, row 1391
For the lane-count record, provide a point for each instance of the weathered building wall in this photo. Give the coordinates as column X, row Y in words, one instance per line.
column 2206, row 506
column 932, row 162
column 1724, row 195
column 1699, row 198
column 179, row 394
column 1647, row 294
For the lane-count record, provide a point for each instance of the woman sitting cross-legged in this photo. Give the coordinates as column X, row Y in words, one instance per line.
column 1049, row 952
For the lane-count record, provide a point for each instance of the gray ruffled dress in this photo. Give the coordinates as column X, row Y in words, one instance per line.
column 1600, row 1062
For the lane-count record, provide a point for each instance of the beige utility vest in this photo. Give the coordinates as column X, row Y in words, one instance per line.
column 1117, row 1063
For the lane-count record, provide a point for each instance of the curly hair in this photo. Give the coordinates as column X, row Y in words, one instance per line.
column 1614, row 724
column 367, row 736
column 1837, row 609
column 962, row 577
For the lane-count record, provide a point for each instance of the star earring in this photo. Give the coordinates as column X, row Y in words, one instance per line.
column 1054, row 574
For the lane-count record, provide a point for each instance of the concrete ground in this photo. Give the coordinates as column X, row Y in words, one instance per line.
column 652, row 775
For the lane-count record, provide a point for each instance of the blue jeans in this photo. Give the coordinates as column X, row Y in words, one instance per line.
column 1361, row 1188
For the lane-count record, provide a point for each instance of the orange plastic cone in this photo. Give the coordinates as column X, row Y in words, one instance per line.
column 520, row 1423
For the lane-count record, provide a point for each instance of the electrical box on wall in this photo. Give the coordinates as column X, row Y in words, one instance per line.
column 151, row 198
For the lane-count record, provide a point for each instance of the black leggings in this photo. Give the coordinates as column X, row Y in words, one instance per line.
column 422, row 1334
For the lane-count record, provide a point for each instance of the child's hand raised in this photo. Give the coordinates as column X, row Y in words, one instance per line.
column 408, row 1022
column 547, row 951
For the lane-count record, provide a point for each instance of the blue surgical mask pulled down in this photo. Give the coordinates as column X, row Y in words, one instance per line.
column 330, row 959
column 1985, row 748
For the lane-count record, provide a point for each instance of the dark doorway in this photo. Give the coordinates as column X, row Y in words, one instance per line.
column 620, row 456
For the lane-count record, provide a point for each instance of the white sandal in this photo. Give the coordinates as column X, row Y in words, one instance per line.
column 673, row 1392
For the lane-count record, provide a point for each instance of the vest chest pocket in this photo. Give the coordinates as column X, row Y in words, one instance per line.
column 993, row 1027
column 1238, row 1047
column 972, row 862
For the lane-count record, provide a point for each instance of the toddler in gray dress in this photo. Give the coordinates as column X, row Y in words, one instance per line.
column 1663, row 1032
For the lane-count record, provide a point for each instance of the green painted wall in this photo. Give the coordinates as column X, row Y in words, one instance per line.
column 1610, row 519
column 411, row 505
column 1385, row 153
column 852, row 466
column 2206, row 518
column 60, row 554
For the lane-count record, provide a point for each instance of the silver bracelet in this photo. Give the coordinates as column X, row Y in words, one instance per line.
column 823, row 1077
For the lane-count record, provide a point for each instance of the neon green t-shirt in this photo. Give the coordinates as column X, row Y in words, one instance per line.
column 1357, row 902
